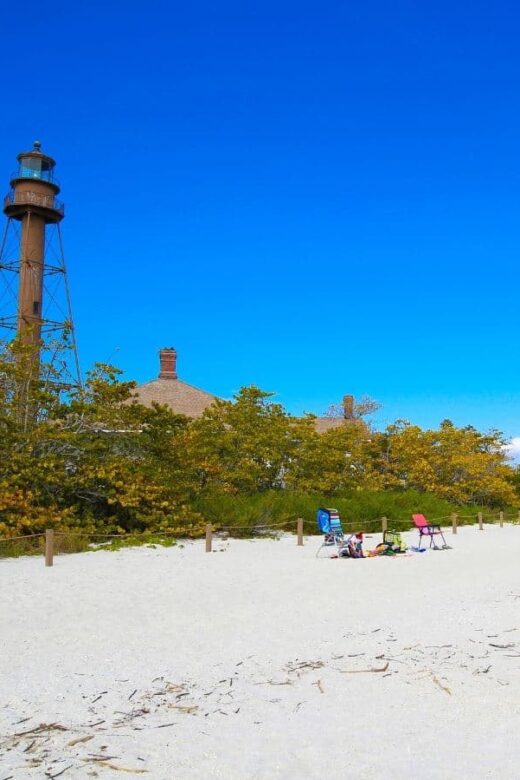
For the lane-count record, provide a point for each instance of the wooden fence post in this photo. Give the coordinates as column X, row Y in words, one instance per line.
column 480, row 522
column 501, row 519
column 299, row 531
column 49, row 547
column 454, row 522
column 209, row 537
column 384, row 524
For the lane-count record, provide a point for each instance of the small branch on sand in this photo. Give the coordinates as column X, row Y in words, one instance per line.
column 364, row 671
column 109, row 765
column 295, row 667
column 187, row 709
column 42, row 727
column 319, row 686
column 51, row 777
column 93, row 757
column 440, row 685
column 80, row 739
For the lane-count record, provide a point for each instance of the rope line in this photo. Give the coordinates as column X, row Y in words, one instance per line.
column 115, row 536
column 218, row 528
column 16, row 538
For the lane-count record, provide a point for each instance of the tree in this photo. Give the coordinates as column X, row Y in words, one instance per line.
column 243, row 446
column 362, row 407
column 460, row 464
column 96, row 457
column 332, row 462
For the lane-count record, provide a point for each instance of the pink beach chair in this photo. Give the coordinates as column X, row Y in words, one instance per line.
column 425, row 529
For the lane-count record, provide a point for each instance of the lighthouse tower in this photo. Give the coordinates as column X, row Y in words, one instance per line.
column 34, row 295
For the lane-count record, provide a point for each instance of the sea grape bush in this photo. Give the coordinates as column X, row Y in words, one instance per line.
column 94, row 459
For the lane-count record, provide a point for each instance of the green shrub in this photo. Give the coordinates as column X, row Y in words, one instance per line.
column 361, row 509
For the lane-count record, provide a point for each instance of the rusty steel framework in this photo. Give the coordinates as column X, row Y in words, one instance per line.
column 35, row 304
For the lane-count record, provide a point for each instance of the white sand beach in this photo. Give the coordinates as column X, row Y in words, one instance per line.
column 260, row 662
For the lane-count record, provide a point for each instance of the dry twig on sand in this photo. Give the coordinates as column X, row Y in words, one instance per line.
column 441, row 686
column 80, row 739
column 61, row 772
column 437, row 682
column 42, row 727
column 296, row 667
column 364, row 671
column 186, row 708
column 130, row 770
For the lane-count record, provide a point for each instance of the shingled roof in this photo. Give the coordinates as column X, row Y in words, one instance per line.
column 323, row 424
column 170, row 391
column 191, row 401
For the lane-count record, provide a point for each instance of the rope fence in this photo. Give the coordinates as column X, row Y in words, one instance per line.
column 51, row 542
column 16, row 546
column 16, row 538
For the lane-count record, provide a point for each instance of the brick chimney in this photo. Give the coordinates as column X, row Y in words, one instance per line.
column 348, row 407
column 168, row 362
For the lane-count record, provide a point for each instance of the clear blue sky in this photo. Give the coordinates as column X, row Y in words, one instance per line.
column 318, row 198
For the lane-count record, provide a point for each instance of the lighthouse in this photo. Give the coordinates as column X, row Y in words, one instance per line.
column 34, row 294
column 32, row 202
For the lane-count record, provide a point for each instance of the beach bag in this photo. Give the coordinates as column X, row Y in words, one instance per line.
column 394, row 541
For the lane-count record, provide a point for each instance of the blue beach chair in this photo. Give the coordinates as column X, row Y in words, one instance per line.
column 329, row 524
